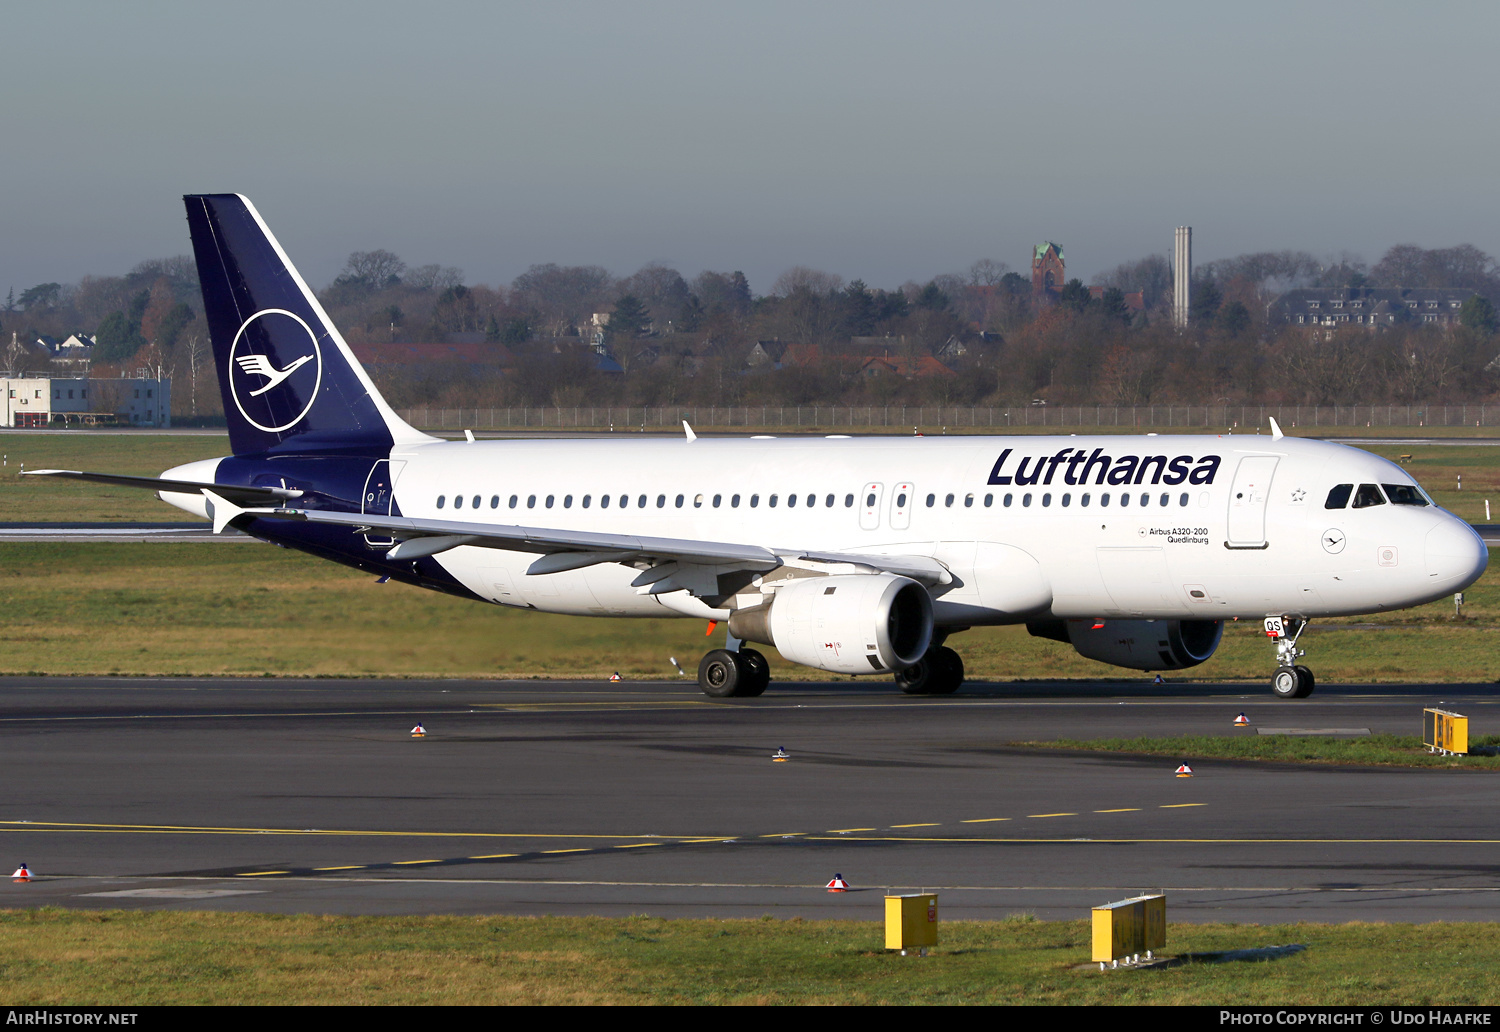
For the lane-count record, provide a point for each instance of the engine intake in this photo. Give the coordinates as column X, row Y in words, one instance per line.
column 848, row 624
column 1137, row 644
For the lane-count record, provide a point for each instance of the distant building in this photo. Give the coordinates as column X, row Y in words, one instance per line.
column 767, row 354
column 1048, row 271
column 39, row 401
column 895, row 365
column 1369, row 307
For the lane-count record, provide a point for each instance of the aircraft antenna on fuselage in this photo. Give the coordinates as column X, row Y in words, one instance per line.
column 1276, row 433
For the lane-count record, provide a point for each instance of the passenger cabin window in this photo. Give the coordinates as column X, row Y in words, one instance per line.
column 1403, row 494
column 458, row 501
column 550, row 500
column 930, row 500
column 441, row 499
column 661, row 501
column 1338, row 498
column 475, row 503
column 848, row 501
column 828, row 501
column 494, row 501
column 513, row 500
column 1368, row 495
column 678, row 502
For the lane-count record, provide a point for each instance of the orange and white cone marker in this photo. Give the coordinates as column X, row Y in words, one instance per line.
column 616, row 676
column 419, row 732
column 23, row 873
column 1241, row 721
column 838, row 884
column 1184, row 771
column 780, row 756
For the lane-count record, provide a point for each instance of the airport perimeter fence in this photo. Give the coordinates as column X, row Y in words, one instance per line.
column 959, row 418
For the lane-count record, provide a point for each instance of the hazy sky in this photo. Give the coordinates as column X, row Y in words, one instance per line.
column 887, row 141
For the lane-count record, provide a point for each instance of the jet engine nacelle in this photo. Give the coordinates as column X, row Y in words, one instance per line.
column 1138, row 644
column 848, row 624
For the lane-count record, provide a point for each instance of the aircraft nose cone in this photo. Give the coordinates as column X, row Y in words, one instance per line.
column 1455, row 554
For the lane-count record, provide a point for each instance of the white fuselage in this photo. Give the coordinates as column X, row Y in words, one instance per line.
column 1246, row 536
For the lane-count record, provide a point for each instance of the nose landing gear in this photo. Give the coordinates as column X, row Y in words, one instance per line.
column 1291, row 680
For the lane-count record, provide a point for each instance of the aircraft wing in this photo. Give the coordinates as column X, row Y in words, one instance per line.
column 238, row 493
column 574, row 549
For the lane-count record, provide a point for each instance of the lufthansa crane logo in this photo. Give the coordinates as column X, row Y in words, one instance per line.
column 275, row 369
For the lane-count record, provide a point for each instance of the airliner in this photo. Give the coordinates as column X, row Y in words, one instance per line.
column 856, row 555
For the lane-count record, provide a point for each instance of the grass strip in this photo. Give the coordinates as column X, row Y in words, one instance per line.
column 1379, row 750
column 123, row 958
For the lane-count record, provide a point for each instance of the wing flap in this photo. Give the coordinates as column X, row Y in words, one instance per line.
column 575, row 549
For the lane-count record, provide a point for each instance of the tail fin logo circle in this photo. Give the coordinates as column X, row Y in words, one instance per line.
column 275, row 369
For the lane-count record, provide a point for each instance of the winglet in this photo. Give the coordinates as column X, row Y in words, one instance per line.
column 690, row 435
column 1276, row 433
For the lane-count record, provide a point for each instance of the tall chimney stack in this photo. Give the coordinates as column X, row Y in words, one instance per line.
column 1182, row 277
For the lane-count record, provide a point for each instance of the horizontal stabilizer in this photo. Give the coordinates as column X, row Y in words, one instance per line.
column 238, row 493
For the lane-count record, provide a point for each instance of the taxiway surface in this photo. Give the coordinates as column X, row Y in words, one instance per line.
column 582, row 797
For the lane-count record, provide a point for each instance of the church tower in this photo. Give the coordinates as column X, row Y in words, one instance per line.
column 1047, row 272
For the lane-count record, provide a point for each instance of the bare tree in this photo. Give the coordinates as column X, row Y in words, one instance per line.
column 377, row 268
column 194, row 351
column 801, row 278
column 434, row 277
column 565, row 296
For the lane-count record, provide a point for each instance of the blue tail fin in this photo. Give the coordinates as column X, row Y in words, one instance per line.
column 289, row 381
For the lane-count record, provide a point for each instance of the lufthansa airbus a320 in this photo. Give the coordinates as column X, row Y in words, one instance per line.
column 854, row 555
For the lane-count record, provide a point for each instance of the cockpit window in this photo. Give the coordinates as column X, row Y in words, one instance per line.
column 1368, row 495
column 1403, row 494
column 1339, row 496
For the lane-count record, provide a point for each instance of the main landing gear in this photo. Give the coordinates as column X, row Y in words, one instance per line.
column 939, row 672
column 1291, row 680
column 726, row 674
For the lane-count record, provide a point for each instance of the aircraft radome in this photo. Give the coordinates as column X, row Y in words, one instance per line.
column 854, row 555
